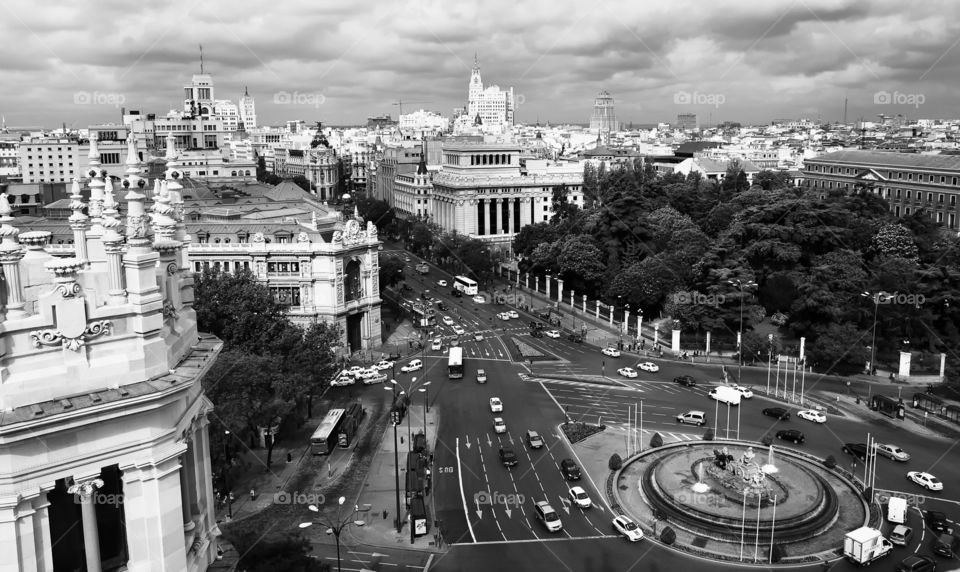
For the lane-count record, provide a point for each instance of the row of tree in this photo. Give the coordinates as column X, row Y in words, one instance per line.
column 679, row 246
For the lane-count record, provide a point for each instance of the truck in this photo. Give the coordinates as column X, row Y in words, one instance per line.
column 423, row 268
column 864, row 545
column 897, row 510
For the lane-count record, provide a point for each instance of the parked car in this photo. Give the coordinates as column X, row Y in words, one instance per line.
column 536, row 333
column 925, row 480
column 479, row 299
column 812, row 415
column 552, row 334
column 570, row 470
column 442, row 307
column 534, row 439
column 627, row 528
column 892, row 452
column 946, row 545
column 778, row 412
column 508, row 457
column 575, row 338
column 627, row 372
column 858, row 450
column 503, row 316
column 790, row 435
column 745, row 392
column 611, row 352
column 355, row 370
column 459, row 330
column 579, row 497
column 442, row 283
column 686, row 380
column 496, row 406
column 456, row 293
column 437, row 344
column 447, row 321
column 697, row 418
column 478, row 337
column 725, row 394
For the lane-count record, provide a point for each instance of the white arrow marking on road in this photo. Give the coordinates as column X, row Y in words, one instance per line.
column 489, row 442
column 508, row 511
column 510, row 437
column 566, row 504
column 479, row 511
column 467, row 442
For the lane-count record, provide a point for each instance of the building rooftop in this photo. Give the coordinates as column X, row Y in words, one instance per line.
column 892, row 159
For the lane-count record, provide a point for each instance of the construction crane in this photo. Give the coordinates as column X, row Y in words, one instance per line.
column 400, row 102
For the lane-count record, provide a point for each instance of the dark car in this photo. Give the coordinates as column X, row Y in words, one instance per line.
column 790, row 435
column 686, row 380
column 508, row 457
column 946, row 545
column 456, row 293
column 575, row 338
column 570, row 470
column 442, row 307
column 936, row 520
column 918, row 563
column 859, row 450
column 778, row 412
column 536, row 333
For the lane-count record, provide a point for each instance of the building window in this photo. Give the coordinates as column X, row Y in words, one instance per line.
column 907, row 211
column 953, row 200
column 940, row 198
column 940, row 218
column 952, row 218
column 909, row 194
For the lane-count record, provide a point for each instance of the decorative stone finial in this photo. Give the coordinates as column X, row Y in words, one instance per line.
column 111, row 220
column 137, row 230
column 78, row 220
column 134, row 166
column 164, row 225
column 8, row 232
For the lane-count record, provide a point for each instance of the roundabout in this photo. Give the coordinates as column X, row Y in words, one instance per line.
column 733, row 500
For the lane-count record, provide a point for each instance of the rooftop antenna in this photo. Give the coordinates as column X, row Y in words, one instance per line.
column 844, row 110
column 201, row 59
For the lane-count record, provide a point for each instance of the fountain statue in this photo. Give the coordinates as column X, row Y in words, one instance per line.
column 770, row 468
column 699, row 486
column 743, row 475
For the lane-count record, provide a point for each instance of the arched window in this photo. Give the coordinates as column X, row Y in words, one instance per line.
column 247, row 172
column 353, row 289
column 233, row 173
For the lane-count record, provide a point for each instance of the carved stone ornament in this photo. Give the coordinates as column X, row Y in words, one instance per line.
column 338, row 238
column 258, row 237
column 169, row 311
column 351, row 232
column 371, row 230
column 172, row 269
column 52, row 337
column 302, row 238
column 459, row 203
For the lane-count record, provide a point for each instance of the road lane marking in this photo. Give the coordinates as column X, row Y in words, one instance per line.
column 463, row 497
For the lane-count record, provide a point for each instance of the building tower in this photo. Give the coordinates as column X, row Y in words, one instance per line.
column 475, row 92
column 604, row 120
column 198, row 95
column 248, row 110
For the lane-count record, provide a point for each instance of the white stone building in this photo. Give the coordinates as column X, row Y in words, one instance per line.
column 493, row 108
column 248, row 111
column 424, row 122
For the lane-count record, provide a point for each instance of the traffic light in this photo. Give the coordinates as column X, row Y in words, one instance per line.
column 395, row 417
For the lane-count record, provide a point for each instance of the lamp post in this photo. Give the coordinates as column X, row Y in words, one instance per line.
column 741, row 285
column 226, row 476
column 876, row 297
column 396, row 460
column 626, row 322
column 335, row 527
column 426, row 405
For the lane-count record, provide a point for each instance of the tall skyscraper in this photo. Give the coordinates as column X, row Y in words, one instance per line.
column 491, row 107
column 604, row 119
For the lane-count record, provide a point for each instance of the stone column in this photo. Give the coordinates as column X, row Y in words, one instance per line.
column 639, row 326
column 656, row 336
column 10, row 255
column 610, row 317
column 526, row 279
column 78, row 223
column 536, row 284
column 84, row 491
column 597, row 310
column 559, row 291
column 548, row 286
column 510, row 207
column 41, row 531
column 584, row 303
column 626, row 322
column 113, row 246
column 151, row 507
column 708, row 343
column 518, row 276
column 572, row 306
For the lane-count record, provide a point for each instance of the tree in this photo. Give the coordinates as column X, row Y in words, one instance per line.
column 840, row 349
column 580, row 260
column 560, row 203
column 896, row 241
column 302, row 182
column 656, row 441
column 260, row 554
column 309, row 362
column 261, row 168
column 770, row 180
column 615, row 462
column 532, row 235
column 391, row 272
column 238, row 309
column 421, row 238
column 380, row 213
column 590, row 185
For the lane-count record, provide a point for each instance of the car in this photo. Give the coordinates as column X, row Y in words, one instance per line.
column 552, row 334
column 481, row 376
column 499, row 426
column 649, row 366
column 917, row 563
column 745, row 392
column 570, row 470
column 893, row 452
column 790, row 435
column 478, row 337
column 812, row 415
column 627, row 372
column 345, row 378
column 373, row 377
column 778, row 412
column 936, row 521
column 459, row 330
column 686, row 380
column 503, row 316
column 437, row 344
column 946, row 545
column 612, row 352
column 456, row 293
column 627, row 528
column 496, row 406
column 901, row 535
column 544, row 512
column 858, row 450
column 697, row 418
column 536, row 333
column 579, row 497
column 442, row 307
column 725, row 394
column 355, row 370
column 383, row 364
column 513, row 314
column 406, row 259
column 414, row 365
column 534, row 439
column 575, row 338
column 447, row 321
column 925, row 480
column 442, row 283
column 508, row 457
column 479, row 299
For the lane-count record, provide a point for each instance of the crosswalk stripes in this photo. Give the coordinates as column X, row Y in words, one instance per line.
column 668, row 437
column 569, row 382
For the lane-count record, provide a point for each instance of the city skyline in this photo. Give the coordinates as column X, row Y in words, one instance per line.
column 337, row 64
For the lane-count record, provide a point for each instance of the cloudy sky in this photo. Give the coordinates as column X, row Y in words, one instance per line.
column 79, row 61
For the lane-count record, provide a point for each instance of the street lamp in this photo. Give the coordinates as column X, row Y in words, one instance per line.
column 877, row 298
column 226, row 476
column 334, row 527
column 741, row 285
column 396, row 459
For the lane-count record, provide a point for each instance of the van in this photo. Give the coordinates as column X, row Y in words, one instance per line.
column 481, row 376
column 726, row 394
column 897, row 510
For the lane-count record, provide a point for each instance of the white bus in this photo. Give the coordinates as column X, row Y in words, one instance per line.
column 455, row 363
column 324, row 439
column 465, row 285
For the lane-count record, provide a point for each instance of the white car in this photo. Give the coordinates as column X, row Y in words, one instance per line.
column 478, row 337
column 442, row 283
column 579, row 497
column 447, row 321
column 649, row 366
column 498, row 425
column 496, row 406
column 374, row 377
column 612, row 352
column 725, row 394
column 355, row 370
column 383, row 364
column 479, row 299
column 437, row 345
column 925, row 480
column 345, row 378
column 513, row 314
column 552, row 334
column 627, row 372
column 504, row 316
column 812, row 415
column 629, row 529
column 893, row 452
column 745, row 392
column 459, row 330
column 414, row 365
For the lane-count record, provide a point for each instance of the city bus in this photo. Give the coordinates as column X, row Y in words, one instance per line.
column 455, row 363
column 465, row 285
column 325, row 438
